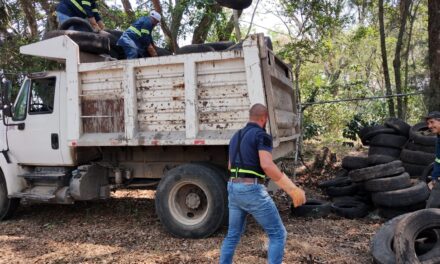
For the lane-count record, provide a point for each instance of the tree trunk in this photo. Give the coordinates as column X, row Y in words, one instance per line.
column 225, row 34
column 128, row 9
column 29, row 12
column 4, row 17
column 201, row 31
column 385, row 60
column 432, row 95
column 397, row 62
column 49, row 9
column 171, row 32
column 412, row 19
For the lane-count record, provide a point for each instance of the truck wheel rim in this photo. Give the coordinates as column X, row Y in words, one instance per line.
column 188, row 203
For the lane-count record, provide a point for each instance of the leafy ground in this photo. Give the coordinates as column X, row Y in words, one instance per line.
column 125, row 229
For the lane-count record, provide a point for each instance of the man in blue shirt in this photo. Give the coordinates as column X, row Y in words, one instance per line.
column 250, row 160
column 433, row 121
column 137, row 41
column 82, row 9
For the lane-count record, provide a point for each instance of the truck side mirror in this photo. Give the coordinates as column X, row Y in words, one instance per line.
column 6, row 87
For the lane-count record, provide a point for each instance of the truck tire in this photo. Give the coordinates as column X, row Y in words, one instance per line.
column 391, row 212
column 417, row 157
column 414, row 170
column 388, row 140
column 312, row 208
column 386, row 151
column 235, row 4
column 401, row 181
column 191, row 201
column 417, row 147
column 163, row 52
column 378, row 171
column 194, row 48
column 76, row 23
column 427, row 173
column 335, row 182
column 380, row 159
column 115, row 50
column 87, row 42
column 415, row 194
column 7, row 205
column 335, row 191
column 399, row 125
column 221, row 45
column 370, row 132
column 354, row 162
column 406, row 233
column 420, row 134
column 350, row 209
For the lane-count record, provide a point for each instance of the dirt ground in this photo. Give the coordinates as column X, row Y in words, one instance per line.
column 125, row 229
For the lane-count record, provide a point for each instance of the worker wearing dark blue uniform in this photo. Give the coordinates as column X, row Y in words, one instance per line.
column 433, row 122
column 250, row 160
column 137, row 41
column 82, row 9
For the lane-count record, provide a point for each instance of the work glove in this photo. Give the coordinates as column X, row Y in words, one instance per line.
column 297, row 194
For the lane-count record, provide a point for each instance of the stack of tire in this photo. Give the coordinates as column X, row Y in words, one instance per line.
column 391, row 188
column 409, row 238
column 419, row 152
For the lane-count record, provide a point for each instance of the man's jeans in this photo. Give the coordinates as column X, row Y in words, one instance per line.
column 253, row 199
column 61, row 18
column 129, row 46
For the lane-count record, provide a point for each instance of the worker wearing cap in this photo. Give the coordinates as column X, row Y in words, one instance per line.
column 137, row 41
column 433, row 121
column 82, row 9
column 250, row 160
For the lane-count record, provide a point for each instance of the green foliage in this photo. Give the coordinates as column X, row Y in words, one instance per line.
column 354, row 126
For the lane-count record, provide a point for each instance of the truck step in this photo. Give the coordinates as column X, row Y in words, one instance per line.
column 42, row 175
column 48, row 194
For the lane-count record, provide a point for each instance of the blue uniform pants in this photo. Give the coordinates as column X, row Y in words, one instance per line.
column 253, row 199
column 130, row 48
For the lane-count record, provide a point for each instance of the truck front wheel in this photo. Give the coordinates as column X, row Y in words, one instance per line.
column 191, row 201
column 7, row 205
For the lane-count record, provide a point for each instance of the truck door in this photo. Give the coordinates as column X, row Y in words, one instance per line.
column 36, row 140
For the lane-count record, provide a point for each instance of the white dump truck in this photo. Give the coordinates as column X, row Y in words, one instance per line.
column 162, row 123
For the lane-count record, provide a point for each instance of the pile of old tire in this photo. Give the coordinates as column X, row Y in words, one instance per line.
column 392, row 190
column 409, row 238
column 419, row 152
column 313, row 208
column 385, row 141
column 348, row 198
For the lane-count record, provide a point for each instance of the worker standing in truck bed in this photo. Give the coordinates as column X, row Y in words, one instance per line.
column 82, row 9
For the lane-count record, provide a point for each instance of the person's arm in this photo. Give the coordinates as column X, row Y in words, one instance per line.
column 97, row 16
column 94, row 24
column 436, row 170
column 101, row 25
column 280, row 179
column 152, row 51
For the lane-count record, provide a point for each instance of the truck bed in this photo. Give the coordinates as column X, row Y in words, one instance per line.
column 191, row 99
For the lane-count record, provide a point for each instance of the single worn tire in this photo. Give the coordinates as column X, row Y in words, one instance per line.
column 406, row 233
column 268, row 42
column 420, row 134
column 401, row 181
column 76, row 23
column 312, row 208
column 386, row 151
column 238, row 46
column 382, row 242
column 377, row 159
column 203, row 189
column 376, row 130
column 335, row 191
column 417, row 193
column 399, row 125
column 417, row 147
column 338, row 182
column 163, row 52
column 350, row 209
column 221, row 45
column 388, row 140
column 7, row 205
column 87, row 42
column 116, row 33
column 194, row 48
column 391, row 212
column 235, row 4
column 416, row 157
column 354, row 162
column 378, row 171
column 414, row 170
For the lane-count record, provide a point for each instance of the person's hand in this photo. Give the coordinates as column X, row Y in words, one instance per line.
column 298, row 196
column 431, row 184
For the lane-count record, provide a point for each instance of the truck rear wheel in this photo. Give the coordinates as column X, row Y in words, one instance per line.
column 7, row 205
column 191, row 201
